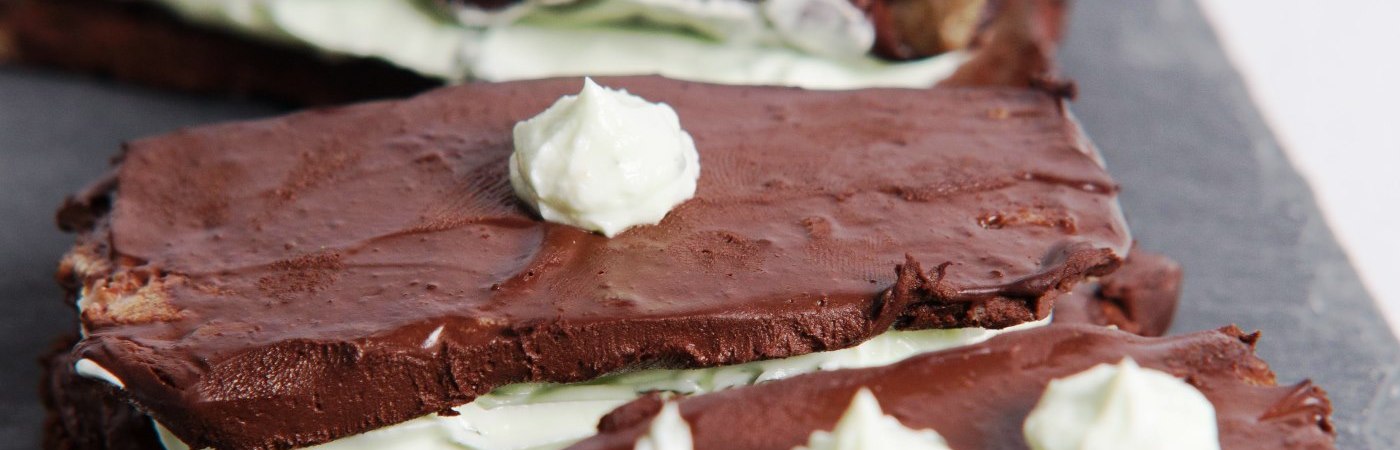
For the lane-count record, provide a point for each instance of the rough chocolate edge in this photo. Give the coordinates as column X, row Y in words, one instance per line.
column 1141, row 297
column 71, row 400
column 1017, row 48
column 85, row 414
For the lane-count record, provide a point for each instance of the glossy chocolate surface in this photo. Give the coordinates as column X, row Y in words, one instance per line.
column 273, row 284
column 978, row 397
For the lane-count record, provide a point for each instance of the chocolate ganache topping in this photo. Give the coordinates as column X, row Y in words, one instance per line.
column 285, row 282
column 978, row 397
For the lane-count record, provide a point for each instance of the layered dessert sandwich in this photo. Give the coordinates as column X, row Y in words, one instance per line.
column 498, row 266
column 1140, row 297
column 320, row 51
column 1061, row 387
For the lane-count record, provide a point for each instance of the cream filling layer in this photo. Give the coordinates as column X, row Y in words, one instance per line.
column 545, row 416
column 818, row 44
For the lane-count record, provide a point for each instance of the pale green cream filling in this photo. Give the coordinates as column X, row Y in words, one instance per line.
column 542, row 416
column 719, row 41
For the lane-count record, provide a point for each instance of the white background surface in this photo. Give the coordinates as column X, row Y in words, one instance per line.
column 1326, row 75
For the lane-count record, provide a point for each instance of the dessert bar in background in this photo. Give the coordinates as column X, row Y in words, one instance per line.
column 329, row 51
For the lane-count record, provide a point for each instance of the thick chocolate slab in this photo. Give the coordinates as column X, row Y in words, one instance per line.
column 323, row 249
column 978, row 397
column 87, row 414
column 84, row 413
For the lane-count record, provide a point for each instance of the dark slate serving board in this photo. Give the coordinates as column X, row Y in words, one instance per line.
column 1204, row 181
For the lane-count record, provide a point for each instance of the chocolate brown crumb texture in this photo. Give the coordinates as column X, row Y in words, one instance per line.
column 1140, row 297
column 87, row 414
column 978, row 397
column 139, row 42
